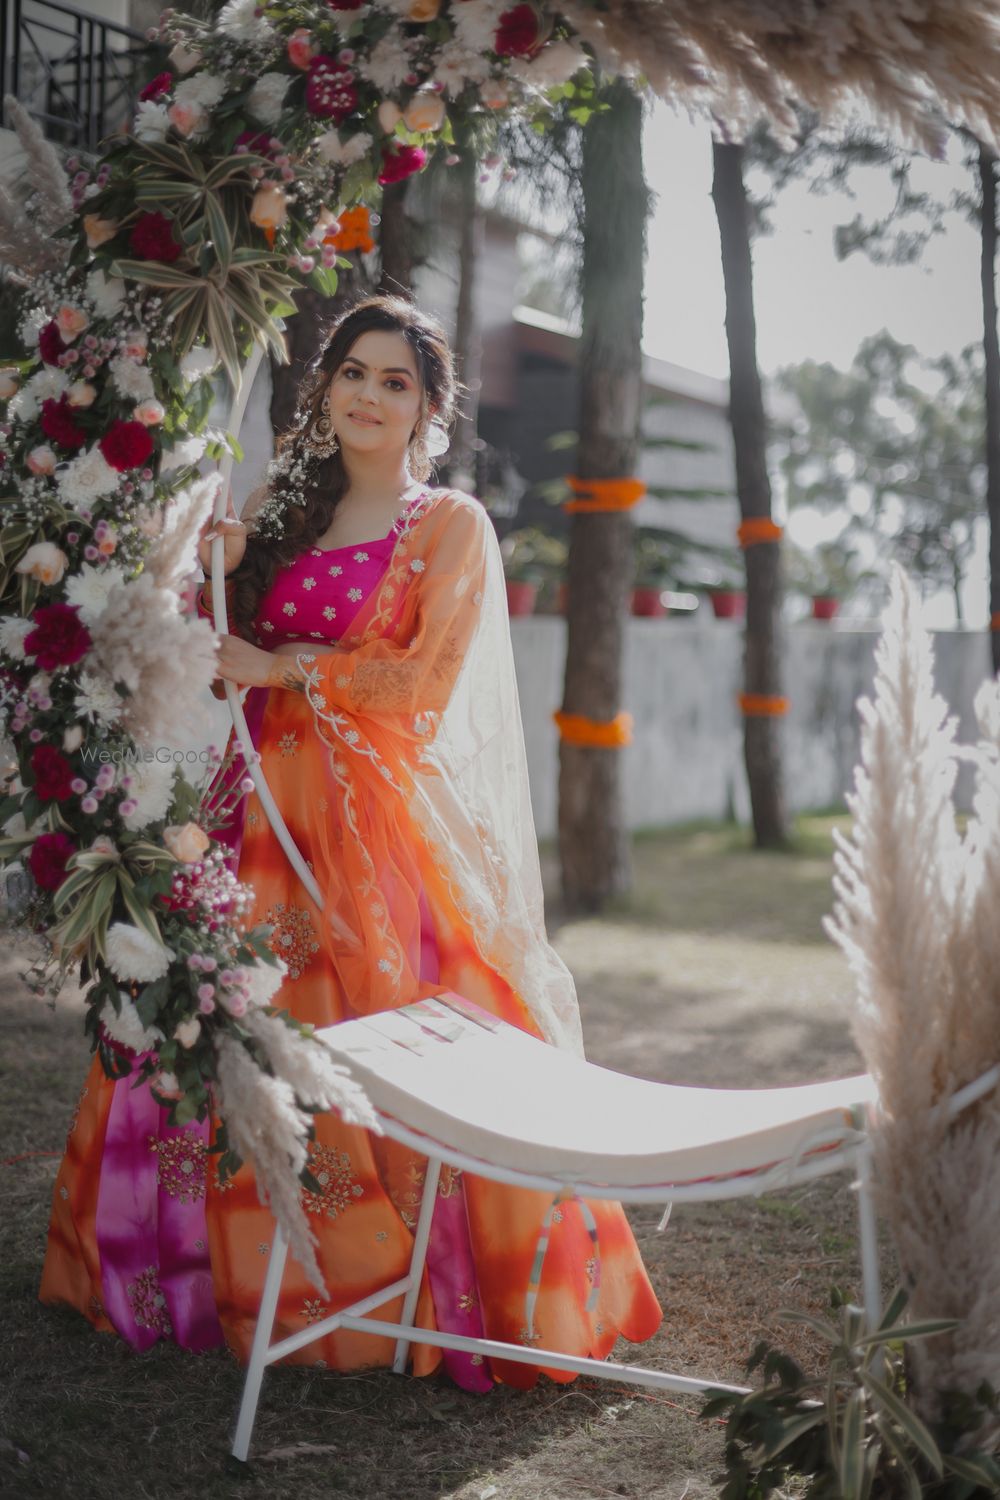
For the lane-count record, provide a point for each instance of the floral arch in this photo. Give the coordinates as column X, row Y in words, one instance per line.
column 246, row 174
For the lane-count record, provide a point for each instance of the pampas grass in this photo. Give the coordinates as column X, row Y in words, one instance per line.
column 916, row 913
column 26, row 242
column 269, row 1127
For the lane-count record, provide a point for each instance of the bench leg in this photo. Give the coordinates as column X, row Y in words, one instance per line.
column 261, row 1344
column 427, row 1202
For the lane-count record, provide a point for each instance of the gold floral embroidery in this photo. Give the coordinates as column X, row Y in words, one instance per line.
column 386, row 685
column 288, row 743
column 76, row 1113
column 312, row 1310
column 308, row 583
column 266, row 625
column 524, row 1337
column 323, row 805
column 180, row 1166
column 148, row 1304
column 360, row 556
column 221, row 1186
column 339, row 1188
column 467, row 1301
column 252, row 819
column 336, row 571
column 289, row 608
column 329, row 613
column 294, row 937
column 450, row 1181
column 354, row 594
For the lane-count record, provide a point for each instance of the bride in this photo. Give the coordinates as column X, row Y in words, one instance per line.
column 369, row 623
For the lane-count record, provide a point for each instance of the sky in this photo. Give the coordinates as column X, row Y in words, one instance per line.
column 808, row 305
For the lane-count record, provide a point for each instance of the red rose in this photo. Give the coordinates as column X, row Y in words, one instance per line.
column 59, row 637
column 519, row 32
column 401, row 161
column 58, row 424
column 259, row 142
column 152, row 238
column 157, row 87
column 330, row 91
column 49, row 856
column 52, row 772
column 50, row 343
column 126, row 445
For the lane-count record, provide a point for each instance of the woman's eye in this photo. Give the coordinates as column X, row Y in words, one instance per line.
column 351, row 371
column 396, row 385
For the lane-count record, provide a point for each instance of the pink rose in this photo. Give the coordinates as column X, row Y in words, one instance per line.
column 149, row 413
column 41, row 460
column 301, row 48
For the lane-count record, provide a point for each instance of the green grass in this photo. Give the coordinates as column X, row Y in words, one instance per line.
column 714, row 971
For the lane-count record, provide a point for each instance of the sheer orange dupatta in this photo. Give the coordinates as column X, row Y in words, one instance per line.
column 420, row 711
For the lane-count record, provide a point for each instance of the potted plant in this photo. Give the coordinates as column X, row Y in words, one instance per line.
column 527, row 562
column 654, row 561
column 826, row 575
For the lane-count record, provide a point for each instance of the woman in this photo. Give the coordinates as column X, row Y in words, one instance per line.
column 369, row 622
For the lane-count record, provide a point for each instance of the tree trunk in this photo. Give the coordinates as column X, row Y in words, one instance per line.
column 594, row 848
column 395, row 240
column 461, row 467
column 762, row 662
column 991, row 349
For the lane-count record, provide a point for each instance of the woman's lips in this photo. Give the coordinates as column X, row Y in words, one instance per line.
column 356, row 416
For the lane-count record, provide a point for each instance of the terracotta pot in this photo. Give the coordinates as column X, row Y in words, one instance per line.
column 647, row 601
column 521, row 597
column 825, row 606
column 728, row 604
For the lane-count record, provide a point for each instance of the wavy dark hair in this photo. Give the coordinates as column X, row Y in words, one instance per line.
column 303, row 524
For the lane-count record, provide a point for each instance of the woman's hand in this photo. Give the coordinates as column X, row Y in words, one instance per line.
column 240, row 662
column 234, row 544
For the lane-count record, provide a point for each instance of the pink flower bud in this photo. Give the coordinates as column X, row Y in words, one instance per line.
column 206, row 992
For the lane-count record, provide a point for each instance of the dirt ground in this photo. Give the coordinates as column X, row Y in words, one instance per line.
column 715, row 971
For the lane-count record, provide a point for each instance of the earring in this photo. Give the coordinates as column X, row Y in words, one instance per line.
column 322, row 438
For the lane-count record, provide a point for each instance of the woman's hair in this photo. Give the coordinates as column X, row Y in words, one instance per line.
column 309, row 514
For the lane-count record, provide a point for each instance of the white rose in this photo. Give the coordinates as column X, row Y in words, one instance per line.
column 44, row 561
column 188, row 1032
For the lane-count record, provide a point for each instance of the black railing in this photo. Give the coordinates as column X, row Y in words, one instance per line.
column 75, row 73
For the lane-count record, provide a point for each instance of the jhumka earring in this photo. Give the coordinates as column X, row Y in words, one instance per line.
column 322, row 438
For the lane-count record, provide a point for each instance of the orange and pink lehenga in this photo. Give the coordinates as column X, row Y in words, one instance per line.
column 401, row 774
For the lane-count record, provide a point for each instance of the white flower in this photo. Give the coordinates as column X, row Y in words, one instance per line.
column 151, row 122
column 132, row 380
column 97, row 698
column 134, row 954
column 86, row 478
column 152, row 790
column 456, row 66
column 44, row 561
column 13, row 630
column 188, row 1032
column 343, row 152
column 89, row 589
column 475, row 23
column 124, row 1026
column 263, row 981
column 31, row 326
column 557, row 63
column 387, row 64
column 267, row 97
column 107, row 293
column 187, row 451
column 204, row 89
column 26, row 404
column 198, row 361
column 240, row 21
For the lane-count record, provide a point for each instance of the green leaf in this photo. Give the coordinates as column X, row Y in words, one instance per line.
column 902, row 1331
column 852, row 1453
column 325, row 280
column 894, row 1311
column 140, row 914
column 825, row 1330
column 220, row 331
column 154, row 273
column 977, row 1468
column 893, row 1441
column 790, row 1432
column 219, row 230
column 905, row 1419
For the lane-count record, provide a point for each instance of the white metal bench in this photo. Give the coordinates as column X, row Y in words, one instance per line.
column 463, row 1088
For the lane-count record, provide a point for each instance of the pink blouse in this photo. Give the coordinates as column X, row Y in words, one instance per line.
column 316, row 596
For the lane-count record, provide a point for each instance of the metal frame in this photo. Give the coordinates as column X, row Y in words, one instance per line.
column 849, row 1151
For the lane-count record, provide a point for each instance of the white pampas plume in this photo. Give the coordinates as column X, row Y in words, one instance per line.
column 165, row 659
column 268, row 1129
column 54, row 205
column 307, row 1064
column 174, row 554
column 915, row 913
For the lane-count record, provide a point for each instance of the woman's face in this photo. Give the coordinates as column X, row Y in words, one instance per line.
column 375, row 397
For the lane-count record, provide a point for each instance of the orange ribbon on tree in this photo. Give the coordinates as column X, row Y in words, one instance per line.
column 604, row 494
column 763, row 706
column 609, row 734
column 757, row 529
